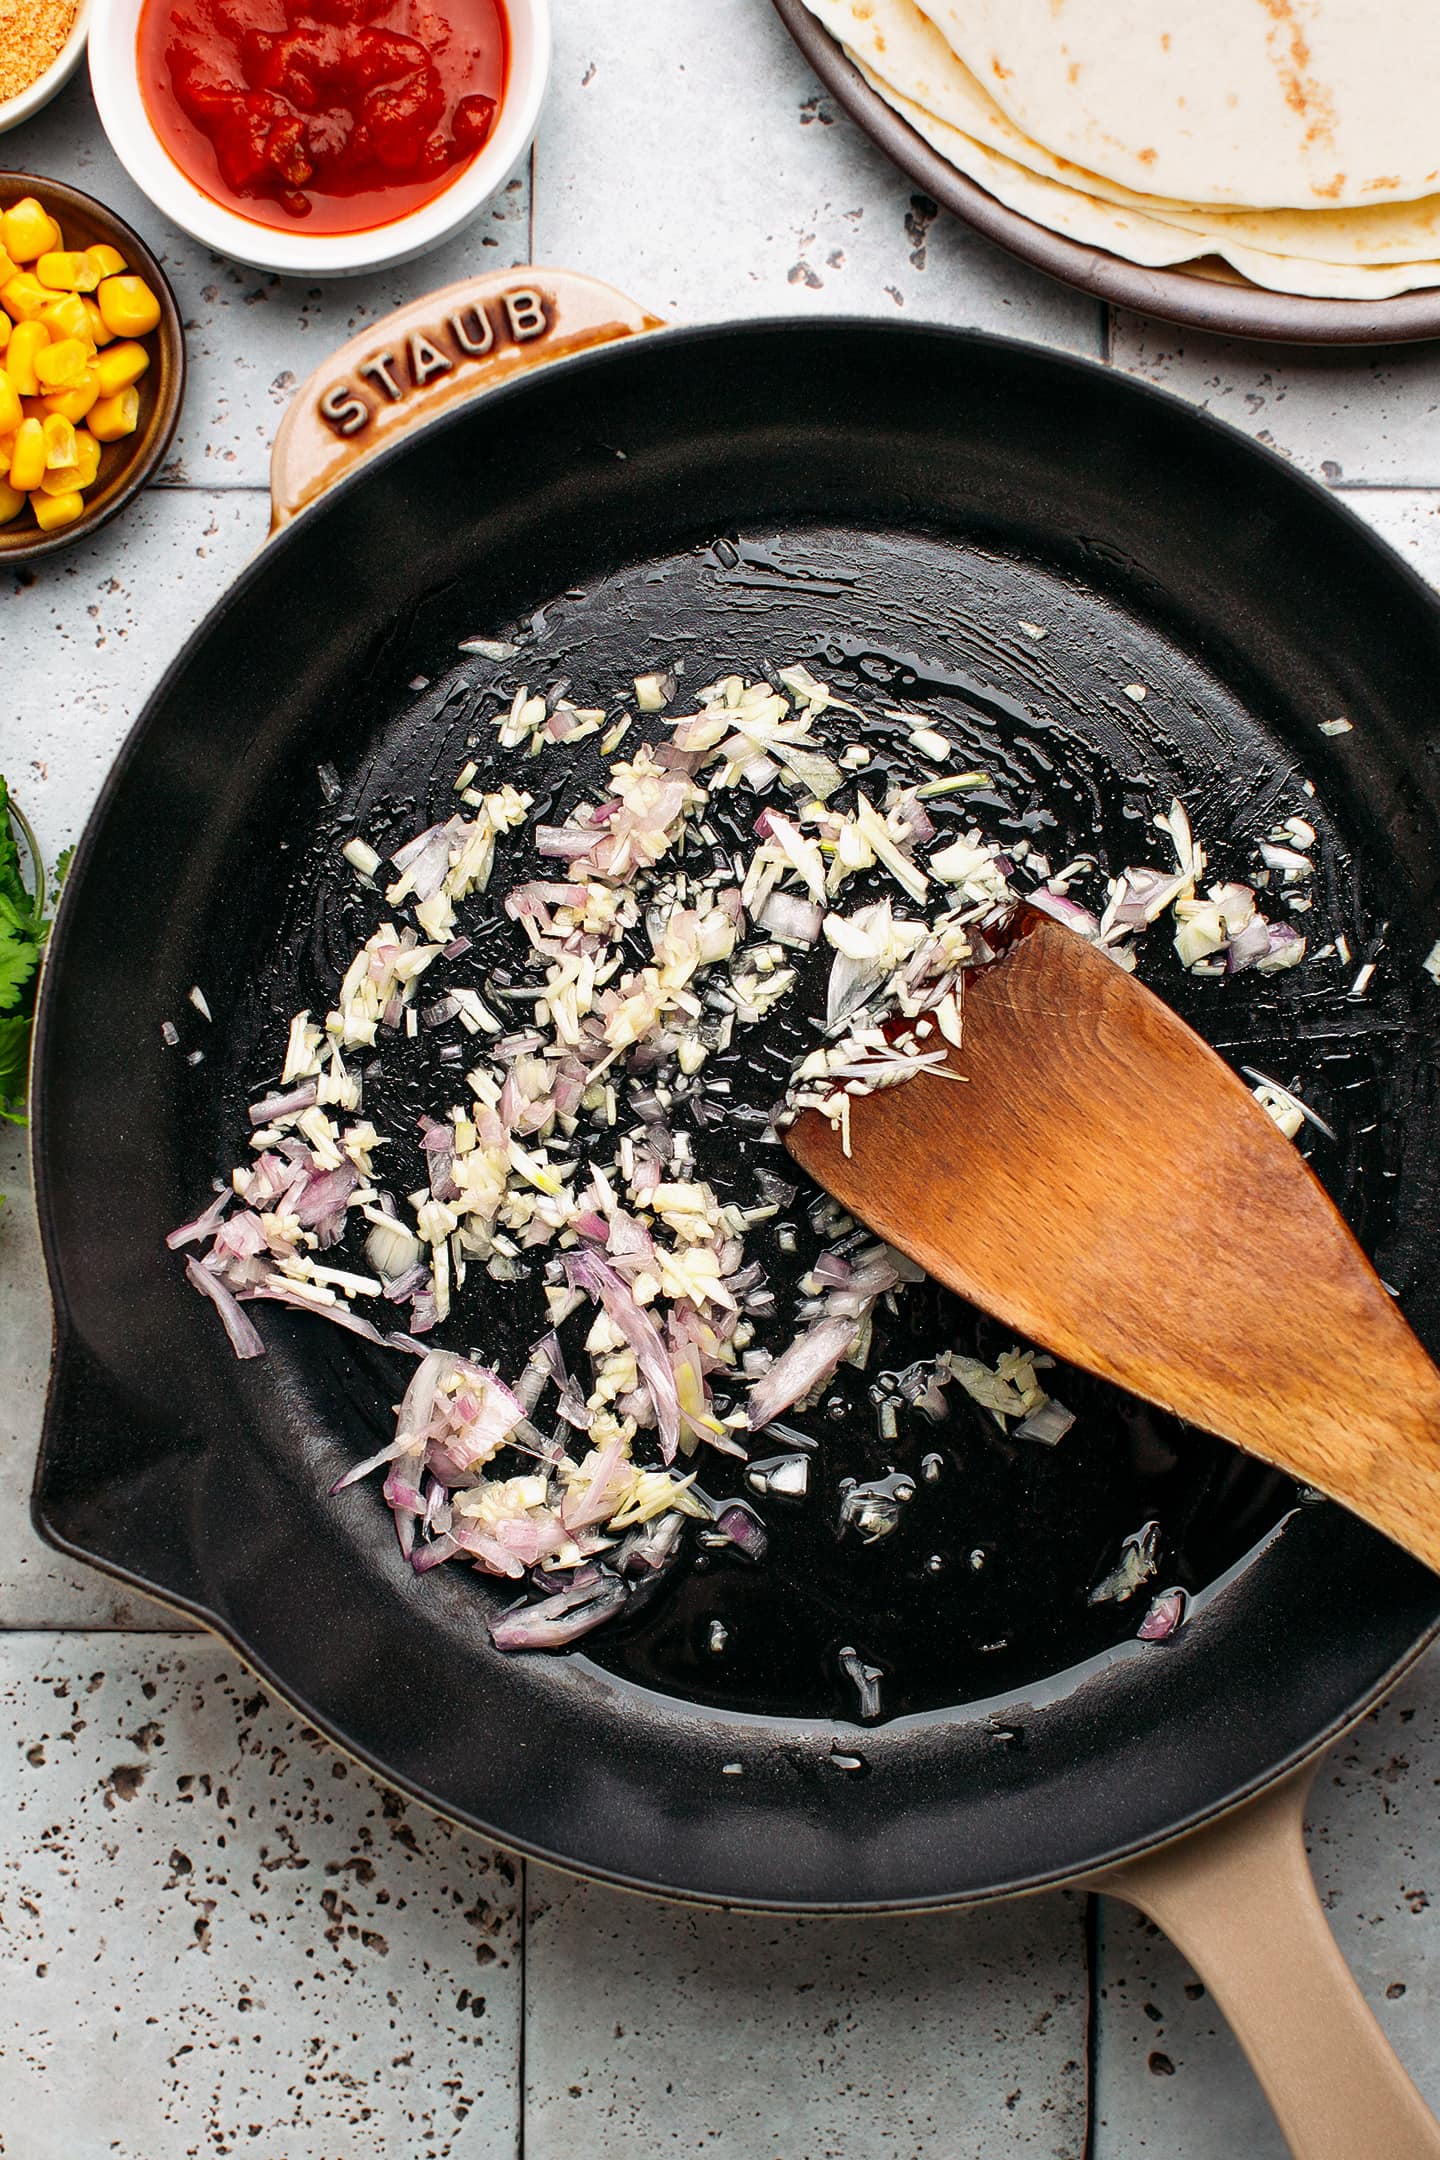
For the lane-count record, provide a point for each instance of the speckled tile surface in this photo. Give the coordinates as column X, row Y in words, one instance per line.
column 1408, row 518
column 689, row 157
column 1356, row 416
column 215, row 1935
column 653, row 2030
column 221, row 1937
column 96, row 628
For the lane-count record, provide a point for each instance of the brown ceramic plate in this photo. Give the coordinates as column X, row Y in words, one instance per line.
column 125, row 466
column 1212, row 298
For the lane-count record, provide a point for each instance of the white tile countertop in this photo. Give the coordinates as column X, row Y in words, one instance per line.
column 216, row 1935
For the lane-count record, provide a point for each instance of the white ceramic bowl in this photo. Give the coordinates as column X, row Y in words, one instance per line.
column 62, row 67
column 115, row 78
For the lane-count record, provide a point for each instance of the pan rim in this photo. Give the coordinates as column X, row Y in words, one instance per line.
column 66, row 1329
column 213, row 1628
column 603, row 357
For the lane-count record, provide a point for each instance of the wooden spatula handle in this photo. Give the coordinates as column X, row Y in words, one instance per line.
column 1105, row 1185
column 1239, row 1900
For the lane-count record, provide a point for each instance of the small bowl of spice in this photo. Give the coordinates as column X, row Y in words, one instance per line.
column 92, row 365
column 41, row 44
column 319, row 138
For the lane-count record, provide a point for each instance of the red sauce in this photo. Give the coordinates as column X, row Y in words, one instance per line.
column 338, row 115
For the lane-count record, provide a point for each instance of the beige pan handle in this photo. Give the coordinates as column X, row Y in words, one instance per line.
column 414, row 364
column 1239, row 1900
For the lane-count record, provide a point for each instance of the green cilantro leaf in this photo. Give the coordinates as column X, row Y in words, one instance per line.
column 13, row 892
column 24, row 927
column 14, row 1061
column 19, row 959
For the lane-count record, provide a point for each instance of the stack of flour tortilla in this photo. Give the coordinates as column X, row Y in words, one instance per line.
column 1296, row 140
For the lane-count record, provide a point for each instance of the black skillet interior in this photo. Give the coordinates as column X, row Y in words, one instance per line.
column 893, row 506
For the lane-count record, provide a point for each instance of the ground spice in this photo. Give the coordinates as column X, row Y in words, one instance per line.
column 32, row 34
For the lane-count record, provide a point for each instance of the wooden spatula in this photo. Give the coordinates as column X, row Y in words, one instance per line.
column 1109, row 1188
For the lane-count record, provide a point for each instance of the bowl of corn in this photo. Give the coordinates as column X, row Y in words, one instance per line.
column 92, row 365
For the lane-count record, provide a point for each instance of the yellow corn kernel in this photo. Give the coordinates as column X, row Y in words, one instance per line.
column 59, row 441
column 52, row 511
column 129, row 307
column 60, row 367
column 12, row 502
column 107, row 260
column 60, row 480
column 26, row 339
column 98, row 333
column 27, row 462
column 74, row 404
column 112, row 417
column 8, row 267
column 7, row 451
column 28, row 230
column 5, row 329
column 23, row 296
column 11, row 412
column 121, row 366
column 87, row 457
column 66, row 270
column 65, row 317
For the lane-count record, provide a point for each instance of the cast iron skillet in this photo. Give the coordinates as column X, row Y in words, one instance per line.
column 869, row 490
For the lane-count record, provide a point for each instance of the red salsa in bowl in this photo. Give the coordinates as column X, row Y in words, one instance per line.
column 331, row 116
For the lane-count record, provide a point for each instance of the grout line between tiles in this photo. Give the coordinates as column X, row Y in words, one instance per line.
column 47, row 1629
column 211, row 487
column 522, row 2088
column 1089, row 2148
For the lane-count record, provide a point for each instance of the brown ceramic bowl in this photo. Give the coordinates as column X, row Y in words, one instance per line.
column 125, row 466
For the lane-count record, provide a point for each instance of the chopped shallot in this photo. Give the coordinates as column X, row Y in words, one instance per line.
column 244, row 1337
column 1166, row 1613
column 565, row 1073
column 808, row 1363
column 560, row 1619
